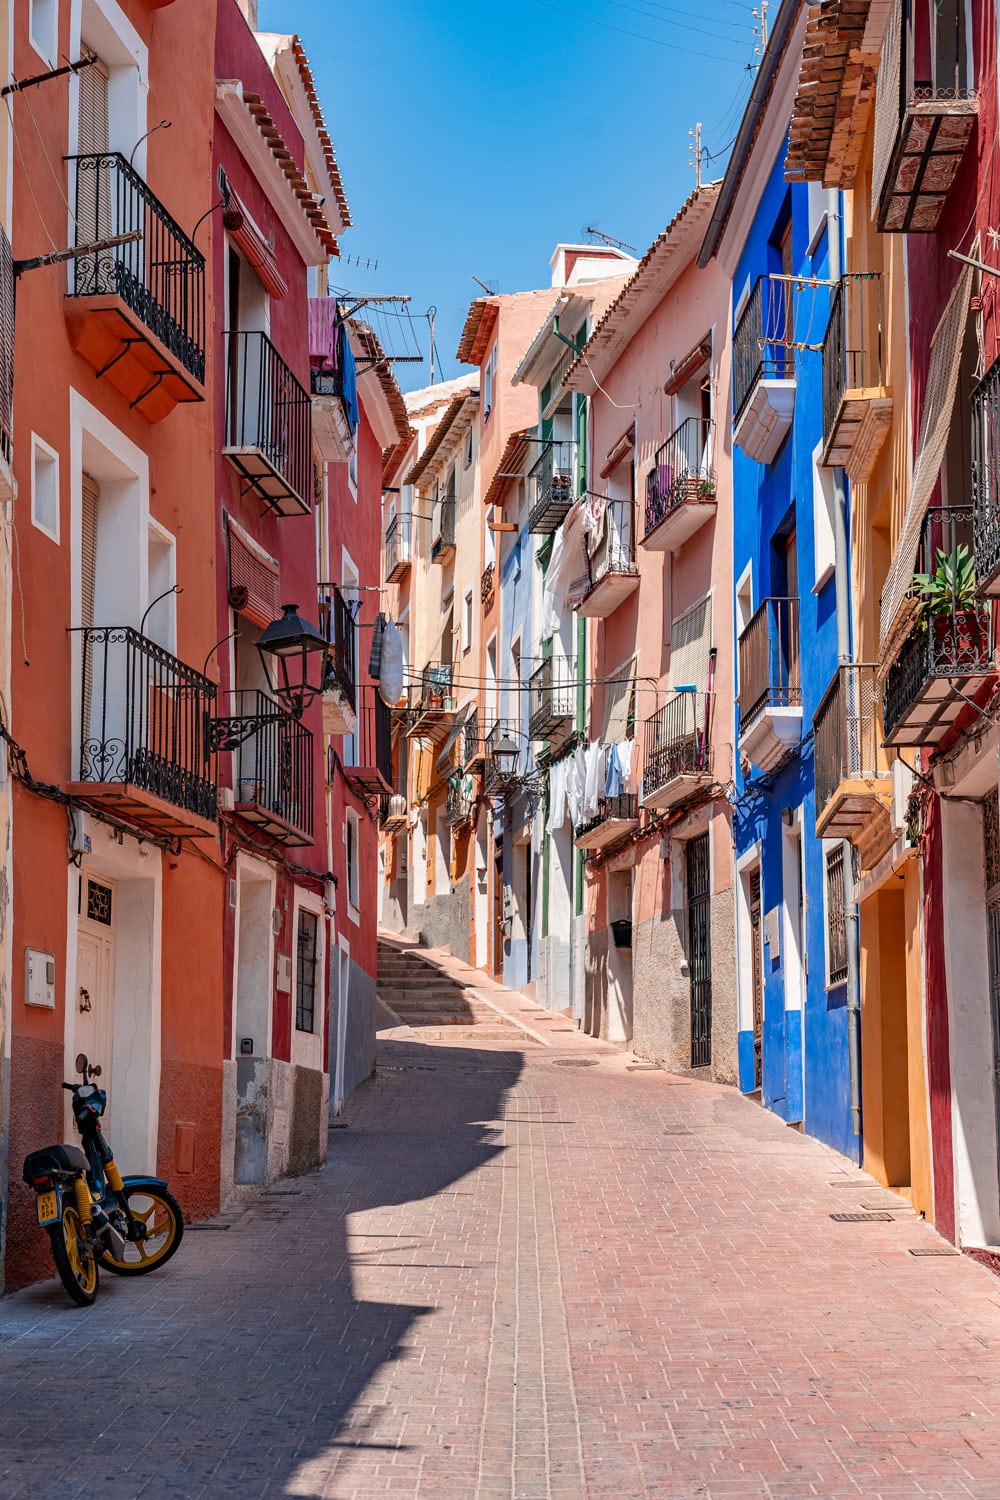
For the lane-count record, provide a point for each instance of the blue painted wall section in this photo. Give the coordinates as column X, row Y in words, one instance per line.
column 805, row 1075
column 516, row 579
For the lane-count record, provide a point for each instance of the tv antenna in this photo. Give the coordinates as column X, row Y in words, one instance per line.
column 609, row 239
column 358, row 260
column 760, row 32
column 696, row 153
column 489, row 287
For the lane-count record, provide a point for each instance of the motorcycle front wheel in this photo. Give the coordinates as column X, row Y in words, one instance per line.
column 160, row 1215
column 74, row 1256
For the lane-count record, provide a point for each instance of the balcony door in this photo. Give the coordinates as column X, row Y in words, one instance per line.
column 95, row 274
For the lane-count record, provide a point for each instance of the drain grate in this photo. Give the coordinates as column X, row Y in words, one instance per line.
column 863, row 1218
column 217, row 1227
column 934, row 1250
column 575, row 1062
column 677, row 1130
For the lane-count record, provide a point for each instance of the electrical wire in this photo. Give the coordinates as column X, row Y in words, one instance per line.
column 680, row 25
column 640, row 36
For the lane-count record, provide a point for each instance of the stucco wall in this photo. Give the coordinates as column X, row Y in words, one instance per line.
column 359, row 1053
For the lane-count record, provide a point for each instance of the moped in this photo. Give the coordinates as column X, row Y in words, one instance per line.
column 93, row 1215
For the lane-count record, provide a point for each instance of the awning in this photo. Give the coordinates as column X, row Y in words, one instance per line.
column 250, row 242
column 517, row 458
column 624, row 446
column 254, row 577
column 688, row 366
column 618, row 691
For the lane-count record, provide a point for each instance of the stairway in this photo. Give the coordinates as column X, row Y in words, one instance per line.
column 442, row 1007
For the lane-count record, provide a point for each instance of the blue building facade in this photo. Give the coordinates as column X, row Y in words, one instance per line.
column 781, row 243
column 513, row 816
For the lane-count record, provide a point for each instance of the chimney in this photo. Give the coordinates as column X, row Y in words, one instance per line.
column 249, row 9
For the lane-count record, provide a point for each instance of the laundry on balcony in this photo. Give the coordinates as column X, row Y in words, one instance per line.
column 566, row 565
column 324, row 335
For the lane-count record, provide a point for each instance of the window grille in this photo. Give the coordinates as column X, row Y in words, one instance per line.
column 836, row 917
column 305, row 985
column 99, row 903
column 991, row 838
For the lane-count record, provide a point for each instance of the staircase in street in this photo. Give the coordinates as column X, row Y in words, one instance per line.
column 444, row 1006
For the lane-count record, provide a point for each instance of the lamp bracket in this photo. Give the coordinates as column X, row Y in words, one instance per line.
column 230, row 733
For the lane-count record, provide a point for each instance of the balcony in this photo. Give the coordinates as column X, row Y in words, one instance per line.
column 616, row 818
column 677, row 756
column 443, row 545
column 612, row 572
column 550, row 487
column 432, row 706
column 853, row 786
column 986, row 481
column 268, row 425
column 487, row 586
column 339, row 683
column 398, row 551
column 370, row 775
column 680, row 487
column 770, row 695
column 393, row 812
column 857, row 407
column 273, row 772
column 136, row 311
column 950, row 643
column 552, row 700
column 143, row 752
column 473, row 749
column 924, row 116
column 764, row 369
column 331, row 428
column 458, row 804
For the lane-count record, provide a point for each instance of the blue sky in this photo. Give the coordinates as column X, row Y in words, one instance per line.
column 473, row 138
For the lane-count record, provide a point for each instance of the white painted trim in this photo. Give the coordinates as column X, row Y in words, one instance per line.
column 793, row 975
column 52, row 453
column 263, row 873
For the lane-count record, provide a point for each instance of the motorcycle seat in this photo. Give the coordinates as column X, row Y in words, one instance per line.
column 53, row 1159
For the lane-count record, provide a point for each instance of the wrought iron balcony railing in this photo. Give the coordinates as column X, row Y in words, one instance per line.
column 458, row 804
column 925, row 110
column 337, row 624
column 471, row 739
column 676, row 742
column 551, row 698
column 621, row 809
column 436, row 687
column 273, row 771
column 847, row 731
column 950, row 642
column 769, row 660
column 398, row 547
column 857, row 409
column 143, row 719
column 612, row 569
column 682, row 470
column 487, row 584
column 763, row 343
column 443, row 545
column 550, row 486
column 160, row 276
column 986, row 480
column 268, row 424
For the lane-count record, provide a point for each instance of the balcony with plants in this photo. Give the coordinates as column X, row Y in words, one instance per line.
column 948, row 648
column 612, row 570
column 764, row 369
column 136, row 305
column 770, row 695
column 853, row 781
column 926, row 109
column 677, row 750
column 550, row 486
column 432, row 703
column 680, row 487
column 857, row 406
column 268, row 437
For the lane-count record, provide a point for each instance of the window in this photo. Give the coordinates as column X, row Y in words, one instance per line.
column 836, row 917
column 44, row 488
column 351, row 840
column 467, row 622
column 467, row 458
column 44, row 28
column 307, row 963
column 489, row 378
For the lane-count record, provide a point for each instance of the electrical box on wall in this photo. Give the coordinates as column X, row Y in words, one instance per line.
column 772, row 930
column 284, row 981
column 39, row 978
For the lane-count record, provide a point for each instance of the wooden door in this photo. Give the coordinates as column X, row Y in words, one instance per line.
column 757, row 963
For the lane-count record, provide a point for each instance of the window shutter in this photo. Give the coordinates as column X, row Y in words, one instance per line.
column 88, row 549
column 690, row 644
column 94, row 132
column 935, row 421
column 618, row 694
column 6, row 346
column 254, row 578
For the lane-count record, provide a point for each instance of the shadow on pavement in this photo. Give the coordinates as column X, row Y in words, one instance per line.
column 236, row 1369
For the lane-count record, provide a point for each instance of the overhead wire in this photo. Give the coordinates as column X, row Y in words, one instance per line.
column 680, row 25
column 639, row 36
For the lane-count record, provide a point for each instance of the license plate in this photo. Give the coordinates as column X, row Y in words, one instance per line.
column 48, row 1208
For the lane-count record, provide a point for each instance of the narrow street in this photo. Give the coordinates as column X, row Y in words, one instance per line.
column 530, row 1268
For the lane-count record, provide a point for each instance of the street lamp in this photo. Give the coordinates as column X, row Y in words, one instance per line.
column 505, row 757
column 294, row 656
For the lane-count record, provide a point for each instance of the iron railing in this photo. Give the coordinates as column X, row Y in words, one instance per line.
column 550, row 486
column 337, row 623
column 682, row 470
column 551, row 697
column 398, row 547
column 610, row 809
column 143, row 719
column 487, row 583
column 160, row 276
column 273, row 769
column 846, row 731
column 614, row 553
column 444, row 528
column 471, row 740
column 763, row 340
column 676, row 740
column 852, row 348
column 986, row 476
column 769, row 659
column 326, row 382
column 434, row 691
column 458, row 804
column 268, row 409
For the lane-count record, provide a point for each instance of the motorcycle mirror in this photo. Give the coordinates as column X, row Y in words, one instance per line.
column 95, row 1072
column 81, row 1063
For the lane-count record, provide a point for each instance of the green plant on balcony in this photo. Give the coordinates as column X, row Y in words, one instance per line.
column 951, row 588
column 706, row 489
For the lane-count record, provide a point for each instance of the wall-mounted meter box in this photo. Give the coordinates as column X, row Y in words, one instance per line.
column 284, row 973
column 39, row 978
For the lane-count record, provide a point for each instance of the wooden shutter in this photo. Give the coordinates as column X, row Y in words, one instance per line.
column 88, row 550
column 254, row 579
column 94, row 132
column 690, row 644
column 93, row 274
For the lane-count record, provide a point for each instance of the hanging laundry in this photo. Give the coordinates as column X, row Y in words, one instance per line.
column 390, row 682
column 613, row 777
column 557, row 796
column 625, row 756
column 375, row 655
column 574, row 786
column 594, row 510
column 349, row 379
column 567, row 567
column 593, row 759
column 323, row 334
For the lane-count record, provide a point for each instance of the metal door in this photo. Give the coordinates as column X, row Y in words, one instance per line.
column 756, row 963
column 700, row 950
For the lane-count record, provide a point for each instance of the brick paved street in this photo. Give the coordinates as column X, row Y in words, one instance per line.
column 527, row 1272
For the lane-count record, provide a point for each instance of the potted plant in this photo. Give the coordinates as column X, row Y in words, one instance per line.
column 948, row 609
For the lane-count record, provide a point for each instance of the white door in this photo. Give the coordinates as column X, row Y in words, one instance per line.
column 93, row 1026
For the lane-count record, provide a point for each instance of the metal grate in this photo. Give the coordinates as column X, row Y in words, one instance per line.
column 836, row 917
column 99, row 903
column 306, row 968
column 863, row 1218
column 991, row 837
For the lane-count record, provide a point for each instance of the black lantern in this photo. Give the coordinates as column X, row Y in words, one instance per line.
column 293, row 654
column 505, row 757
